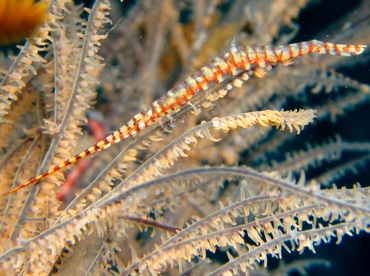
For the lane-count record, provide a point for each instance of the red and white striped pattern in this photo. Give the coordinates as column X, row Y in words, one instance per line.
column 234, row 60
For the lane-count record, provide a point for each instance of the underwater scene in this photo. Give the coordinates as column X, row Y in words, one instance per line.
column 184, row 137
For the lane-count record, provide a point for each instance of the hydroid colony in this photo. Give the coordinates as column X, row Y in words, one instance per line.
column 149, row 204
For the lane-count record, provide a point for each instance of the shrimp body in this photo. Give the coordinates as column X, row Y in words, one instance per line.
column 234, row 60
